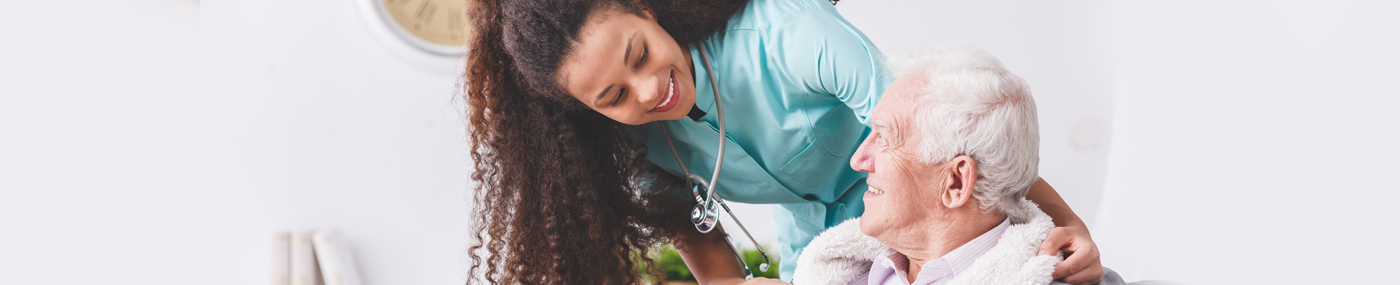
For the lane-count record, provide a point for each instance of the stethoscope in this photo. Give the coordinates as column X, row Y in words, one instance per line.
column 705, row 215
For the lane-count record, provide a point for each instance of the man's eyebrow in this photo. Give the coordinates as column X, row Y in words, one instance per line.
column 601, row 94
column 878, row 123
column 626, row 56
column 891, row 130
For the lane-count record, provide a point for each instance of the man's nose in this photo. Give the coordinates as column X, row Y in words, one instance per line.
column 863, row 160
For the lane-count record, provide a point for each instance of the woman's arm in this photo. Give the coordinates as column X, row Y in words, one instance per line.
column 1070, row 236
column 712, row 261
column 1042, row 194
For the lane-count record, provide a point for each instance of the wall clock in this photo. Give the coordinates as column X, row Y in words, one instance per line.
column 437, row 27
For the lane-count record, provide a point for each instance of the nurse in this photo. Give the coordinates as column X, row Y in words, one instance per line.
column 575, row 182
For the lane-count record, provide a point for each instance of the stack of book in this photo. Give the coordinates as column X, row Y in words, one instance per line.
column 311, row 258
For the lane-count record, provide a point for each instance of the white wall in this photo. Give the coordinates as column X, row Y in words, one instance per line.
column 162, row 141
column 1254, row 142
column 352, row 133
column 107, row 135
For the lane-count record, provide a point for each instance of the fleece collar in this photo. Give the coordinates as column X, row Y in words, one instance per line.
column 842, row 254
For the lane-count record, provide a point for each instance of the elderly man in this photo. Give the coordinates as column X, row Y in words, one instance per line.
column 952, row 153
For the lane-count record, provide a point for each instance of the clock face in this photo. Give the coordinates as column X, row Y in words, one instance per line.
column 442, row 22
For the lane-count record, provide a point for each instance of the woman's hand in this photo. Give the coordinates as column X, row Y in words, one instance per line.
column 1069, row 236
column 1082, row 266
column 754, row 281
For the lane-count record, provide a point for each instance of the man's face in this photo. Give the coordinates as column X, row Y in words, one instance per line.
column 901, row 192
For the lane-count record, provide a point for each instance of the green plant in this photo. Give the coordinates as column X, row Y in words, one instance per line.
column 670, row 261
column 753, row 257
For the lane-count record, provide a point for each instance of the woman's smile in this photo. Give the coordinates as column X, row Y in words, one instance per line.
column 672, row 93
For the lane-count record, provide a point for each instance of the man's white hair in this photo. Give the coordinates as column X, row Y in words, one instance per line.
column 971, row 105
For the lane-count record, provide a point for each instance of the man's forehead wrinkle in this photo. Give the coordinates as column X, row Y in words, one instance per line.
column 892, row 129
column 897, row 126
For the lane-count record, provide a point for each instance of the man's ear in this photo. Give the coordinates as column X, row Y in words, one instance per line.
column 960, row 178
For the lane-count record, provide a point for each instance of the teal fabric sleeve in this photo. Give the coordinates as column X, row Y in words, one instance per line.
column 827, row 55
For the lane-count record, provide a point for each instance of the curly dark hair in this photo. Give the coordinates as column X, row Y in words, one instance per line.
column 564, row 195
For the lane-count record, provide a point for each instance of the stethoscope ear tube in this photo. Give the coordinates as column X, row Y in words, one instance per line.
column 705, row 215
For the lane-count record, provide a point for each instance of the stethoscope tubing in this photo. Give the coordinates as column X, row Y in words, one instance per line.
column 719, row 113
column 712, row 197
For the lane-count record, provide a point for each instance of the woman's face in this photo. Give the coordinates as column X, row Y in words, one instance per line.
column 629, row 69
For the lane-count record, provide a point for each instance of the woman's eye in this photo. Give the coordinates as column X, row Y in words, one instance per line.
column 643, row 58
column 620, row 92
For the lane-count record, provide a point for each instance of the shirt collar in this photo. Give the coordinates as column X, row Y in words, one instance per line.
column 888, row 264
column 962, row 257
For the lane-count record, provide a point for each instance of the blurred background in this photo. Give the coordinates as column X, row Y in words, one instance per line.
column 163, row 141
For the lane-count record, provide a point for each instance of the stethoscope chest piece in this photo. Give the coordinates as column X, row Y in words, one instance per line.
column 704, row 216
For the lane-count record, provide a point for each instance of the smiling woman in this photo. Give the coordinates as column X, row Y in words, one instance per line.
column 642, row 75
column 545, row 204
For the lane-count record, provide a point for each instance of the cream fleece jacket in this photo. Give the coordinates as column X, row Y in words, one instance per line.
column 842, row 254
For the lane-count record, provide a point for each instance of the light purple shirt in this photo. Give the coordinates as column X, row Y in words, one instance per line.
column 892, row 267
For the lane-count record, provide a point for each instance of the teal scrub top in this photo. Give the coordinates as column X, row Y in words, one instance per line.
column 798, row 84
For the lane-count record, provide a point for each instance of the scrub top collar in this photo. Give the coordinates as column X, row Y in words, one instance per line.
column 704, row 94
